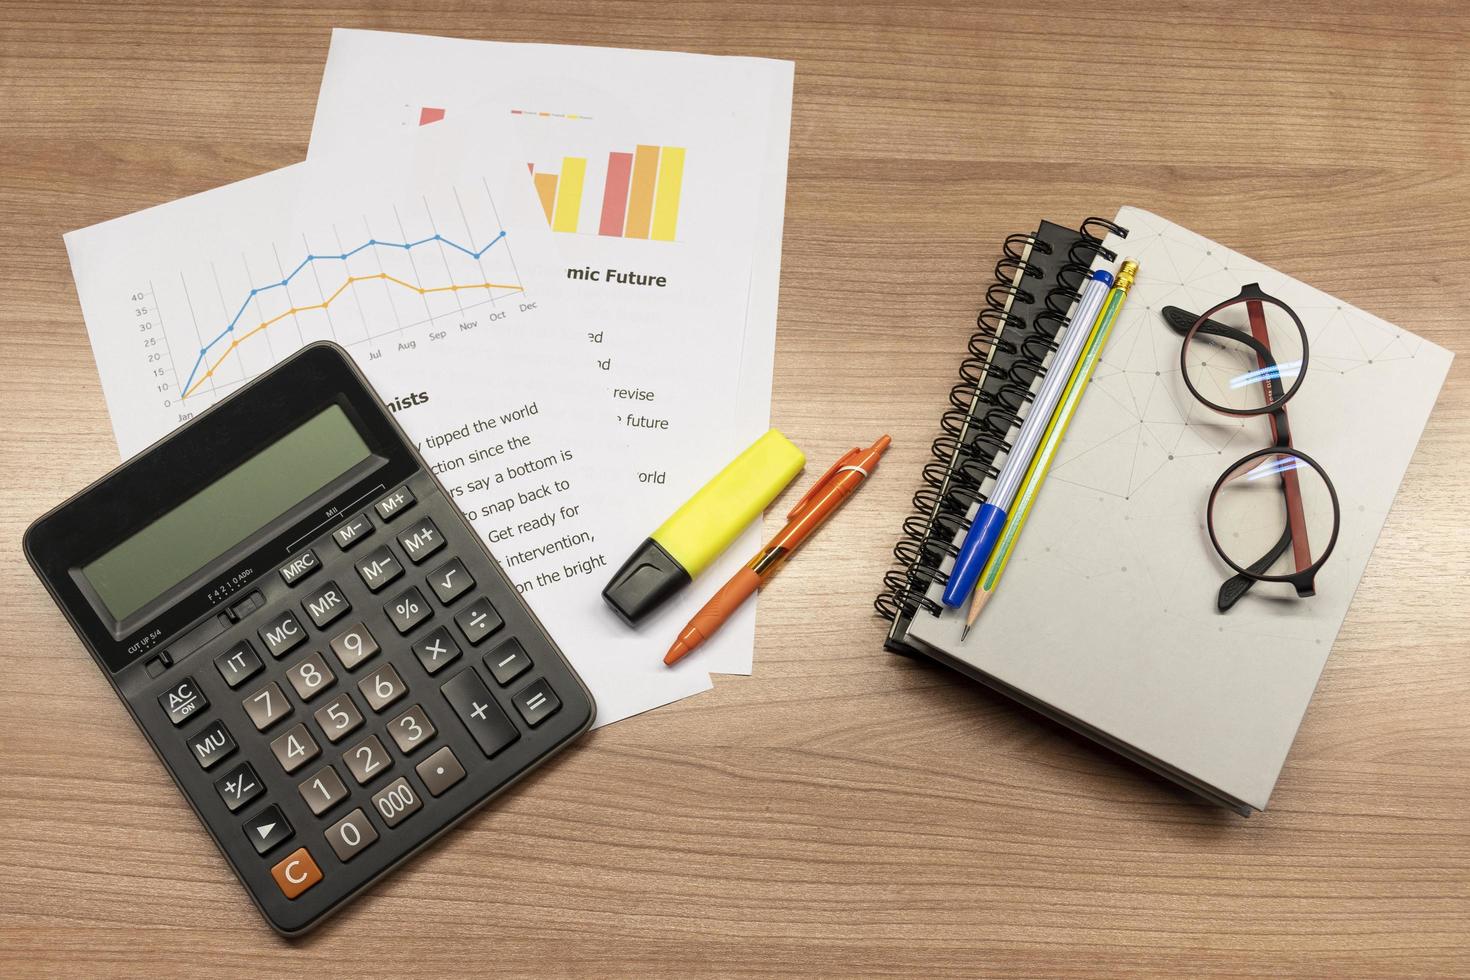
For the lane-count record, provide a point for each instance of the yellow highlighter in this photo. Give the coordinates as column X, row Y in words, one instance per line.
column 698, row 532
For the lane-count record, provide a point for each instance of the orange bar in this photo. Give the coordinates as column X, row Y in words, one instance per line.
column 640, row 197
column 546, row 190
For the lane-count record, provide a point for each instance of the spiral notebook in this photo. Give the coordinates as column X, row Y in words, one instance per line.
column 1106, row 618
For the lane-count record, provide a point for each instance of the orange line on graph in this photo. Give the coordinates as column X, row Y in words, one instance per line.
column 421, row 290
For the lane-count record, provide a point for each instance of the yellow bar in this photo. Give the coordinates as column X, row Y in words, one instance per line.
column 569, row 194
column 546, row 190
column 666, row 205
column 640, row 196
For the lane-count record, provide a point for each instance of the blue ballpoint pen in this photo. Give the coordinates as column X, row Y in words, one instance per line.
column 991, row 518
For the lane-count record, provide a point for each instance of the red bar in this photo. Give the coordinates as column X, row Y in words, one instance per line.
column 615, row 194
column 429, row 114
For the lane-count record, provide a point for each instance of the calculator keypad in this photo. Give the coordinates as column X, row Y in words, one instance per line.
column 382, row 687
column 267, row 706
column 183, row 701
column 333, row 679
column 440, row 771
column 396, row 802
column 367, row 760
column 212, row 744
column 478, row 620
column 407, row 609
column 378, row 567
column 437, row 650
column 398, row 500
column 267, row 829
column 477, row 708
column 354, row 645
column 239, row 786
column 450, row 581
column 323, row 790
column 351, row 531
column 310, row 676
column 351, row 835
column 326, row 605
column 411, row 729
column 295, row 747
column 338, row 718
column 421, row 539
column 239, row 663
column 282, row 633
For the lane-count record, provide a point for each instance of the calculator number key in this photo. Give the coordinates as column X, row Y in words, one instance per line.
column 238, row 786
column 350, row 532
column 211, row 745
column 478, row 620
column 238, row 664
column 311, row 676
column 367, row 760
column 450, row 581
column 326, row 605
column 354, row 645
column 421, row 539
column 377, row 568
column 396, row 802
column 267, row 706
column 295, row 747
column 437, row 650
column 351, row 835
column 323, row 790
column 282, row 634
column 389, row 506
column 411, row 729
column 382, row 687
column 182, row 700
column 338, row 718
column 408, row 609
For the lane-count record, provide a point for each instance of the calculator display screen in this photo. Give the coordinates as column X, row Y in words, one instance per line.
column 226, row 512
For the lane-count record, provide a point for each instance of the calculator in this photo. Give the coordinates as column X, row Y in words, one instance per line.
column 314, row 640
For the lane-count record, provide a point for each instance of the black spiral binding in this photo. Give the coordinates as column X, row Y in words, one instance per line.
column 1016, row 332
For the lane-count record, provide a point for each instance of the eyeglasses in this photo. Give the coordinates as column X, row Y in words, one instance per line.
column 1273, row 514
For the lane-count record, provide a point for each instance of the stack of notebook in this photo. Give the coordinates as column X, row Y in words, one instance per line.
column 1107, row 618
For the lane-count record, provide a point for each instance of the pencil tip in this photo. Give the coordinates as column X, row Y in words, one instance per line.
column 964, row 632
column 675, row 654
column 981, row 597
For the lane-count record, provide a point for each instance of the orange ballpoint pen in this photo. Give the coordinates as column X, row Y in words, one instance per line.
column 811, row 512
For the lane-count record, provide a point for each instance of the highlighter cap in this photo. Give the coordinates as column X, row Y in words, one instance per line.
column 649, row 578
column 698, row 532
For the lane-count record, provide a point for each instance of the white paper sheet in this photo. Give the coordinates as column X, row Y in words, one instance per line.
column 692, row 357
column 430, row 262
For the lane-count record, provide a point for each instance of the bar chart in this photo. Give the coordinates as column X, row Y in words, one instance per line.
column 638, row 197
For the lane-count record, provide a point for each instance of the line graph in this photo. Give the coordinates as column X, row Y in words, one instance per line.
column 190, row 385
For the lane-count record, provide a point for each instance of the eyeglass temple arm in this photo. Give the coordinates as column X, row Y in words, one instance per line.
column 1238, row 585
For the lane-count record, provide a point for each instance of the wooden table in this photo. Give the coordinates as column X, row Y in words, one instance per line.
column 842, row 812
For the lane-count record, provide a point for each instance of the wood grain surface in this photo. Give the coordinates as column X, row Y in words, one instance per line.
column 843, row 812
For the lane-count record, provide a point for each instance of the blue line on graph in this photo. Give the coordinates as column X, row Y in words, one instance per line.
column 204, row 351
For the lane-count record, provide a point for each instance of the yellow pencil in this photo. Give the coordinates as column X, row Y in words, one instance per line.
column 1046, row 452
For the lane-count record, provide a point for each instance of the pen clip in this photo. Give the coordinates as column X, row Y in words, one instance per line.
column 850, row 457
